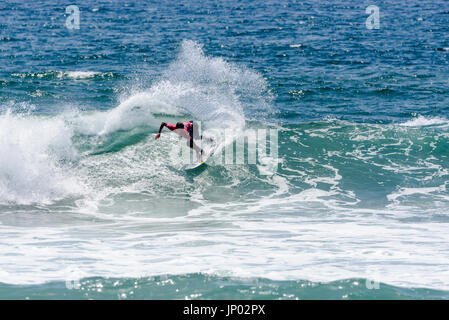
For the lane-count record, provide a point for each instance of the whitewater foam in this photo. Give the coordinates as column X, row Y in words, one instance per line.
column 36, row 152
column 421, row 121
column 194, row 86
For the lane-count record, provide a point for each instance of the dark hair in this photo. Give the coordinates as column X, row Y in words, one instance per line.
column 179, row 125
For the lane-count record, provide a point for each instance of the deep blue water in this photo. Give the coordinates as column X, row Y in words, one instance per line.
column 359, row 190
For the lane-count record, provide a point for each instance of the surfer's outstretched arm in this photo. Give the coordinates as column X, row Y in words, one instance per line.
column 163, row 124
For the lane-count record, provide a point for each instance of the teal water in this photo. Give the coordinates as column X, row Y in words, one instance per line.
column 198, row 286
column 351, row 203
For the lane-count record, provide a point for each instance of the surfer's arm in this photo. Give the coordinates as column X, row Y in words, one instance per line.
column 163, row 124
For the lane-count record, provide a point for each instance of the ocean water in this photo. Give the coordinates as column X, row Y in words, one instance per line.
column 354, row 206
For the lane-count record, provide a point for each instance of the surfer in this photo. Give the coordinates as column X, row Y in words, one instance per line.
column 187, row 130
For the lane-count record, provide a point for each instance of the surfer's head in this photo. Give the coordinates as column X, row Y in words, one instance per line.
column 179, row 125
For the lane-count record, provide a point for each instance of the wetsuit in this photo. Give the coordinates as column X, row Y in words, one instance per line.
column 188, row 128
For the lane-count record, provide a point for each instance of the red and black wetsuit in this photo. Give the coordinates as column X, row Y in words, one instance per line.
column 188, row 128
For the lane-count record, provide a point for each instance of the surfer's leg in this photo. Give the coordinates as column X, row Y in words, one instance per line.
column 198, row 150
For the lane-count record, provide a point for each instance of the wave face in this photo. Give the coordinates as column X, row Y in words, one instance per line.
column 358, row 191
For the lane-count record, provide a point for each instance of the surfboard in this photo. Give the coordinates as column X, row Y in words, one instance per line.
column 193, row 165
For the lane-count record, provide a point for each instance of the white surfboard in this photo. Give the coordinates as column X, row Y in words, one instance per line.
column 193, row 165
